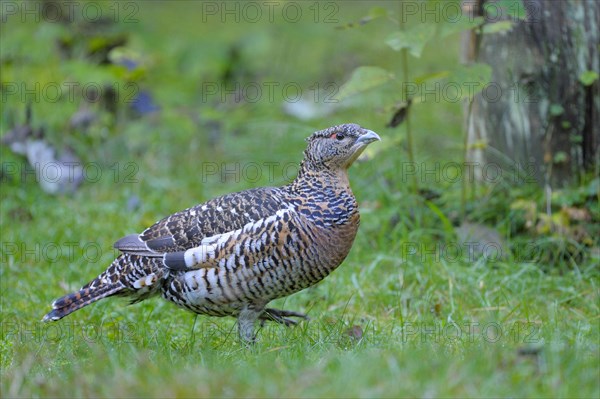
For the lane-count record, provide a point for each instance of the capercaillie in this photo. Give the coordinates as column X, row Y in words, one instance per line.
column 232, row 255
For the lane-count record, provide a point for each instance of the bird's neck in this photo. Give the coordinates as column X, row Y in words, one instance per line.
column 324, row 196
column 320, row 178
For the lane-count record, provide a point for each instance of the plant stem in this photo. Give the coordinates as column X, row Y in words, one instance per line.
column 463, row 190
column 409, row 138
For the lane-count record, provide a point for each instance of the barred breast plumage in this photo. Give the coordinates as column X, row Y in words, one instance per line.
column 232, row 255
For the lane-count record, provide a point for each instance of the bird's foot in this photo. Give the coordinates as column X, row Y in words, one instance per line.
column 281, row 316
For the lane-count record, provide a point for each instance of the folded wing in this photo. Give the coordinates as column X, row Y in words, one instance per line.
column 205, row 227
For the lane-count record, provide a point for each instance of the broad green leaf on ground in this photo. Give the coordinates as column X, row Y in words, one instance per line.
column 362, row 79
column 414, row 39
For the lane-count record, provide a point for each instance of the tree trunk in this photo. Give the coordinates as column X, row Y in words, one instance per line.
column 536, row 118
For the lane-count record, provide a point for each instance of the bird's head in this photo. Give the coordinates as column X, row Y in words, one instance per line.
column 338, row 146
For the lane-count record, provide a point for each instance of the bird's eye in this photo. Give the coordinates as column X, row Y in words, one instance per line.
column 338, row 136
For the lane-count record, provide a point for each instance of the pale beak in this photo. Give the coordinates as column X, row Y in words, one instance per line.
column 368, row 137
column 361, row 143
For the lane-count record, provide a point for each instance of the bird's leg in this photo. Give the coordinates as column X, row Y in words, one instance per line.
column 246, row 320
column 281, row 316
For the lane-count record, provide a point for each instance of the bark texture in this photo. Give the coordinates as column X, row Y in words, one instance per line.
column 535, row 115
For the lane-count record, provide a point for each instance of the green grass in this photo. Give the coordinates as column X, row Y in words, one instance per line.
column 387, row 323
column 408, row 345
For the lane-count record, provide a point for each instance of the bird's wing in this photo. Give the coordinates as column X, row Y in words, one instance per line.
column 202, row 223
column 258, row 241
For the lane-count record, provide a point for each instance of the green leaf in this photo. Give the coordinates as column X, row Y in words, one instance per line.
column 560, row 157
column 85, row 73
column 448, row 229
column 497, row 27
column 556, row 109
column 588, row 78
column 374, row 13
column 413, row 39
column 449, row 27
column 362, row 79
column 576, row 139
column 431, row 76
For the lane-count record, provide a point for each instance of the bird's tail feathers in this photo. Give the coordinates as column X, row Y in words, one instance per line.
column 128, row 275
column 69, row 303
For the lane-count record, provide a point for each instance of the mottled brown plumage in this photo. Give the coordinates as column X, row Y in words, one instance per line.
column 232, row 255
